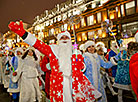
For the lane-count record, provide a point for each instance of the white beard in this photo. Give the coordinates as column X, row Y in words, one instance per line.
column 65, row 53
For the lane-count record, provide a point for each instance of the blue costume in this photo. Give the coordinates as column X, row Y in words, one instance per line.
column 114, row 68
column 93, row 64
column 122, row 79
column 13, row 87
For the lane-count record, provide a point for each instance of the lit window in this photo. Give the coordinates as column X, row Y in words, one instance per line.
column 99, row 17
column 104, row 15
column 84, row 36
column 130, row 8
column 91, row 35
column 100, row 33
column 122, row 10
column 83, row 22
column 90, row 20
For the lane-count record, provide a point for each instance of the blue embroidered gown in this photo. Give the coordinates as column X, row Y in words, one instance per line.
column 122, row 79
column 89, row 73
column 13, row 87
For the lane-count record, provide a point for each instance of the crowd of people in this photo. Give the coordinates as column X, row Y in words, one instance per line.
column 71, row 75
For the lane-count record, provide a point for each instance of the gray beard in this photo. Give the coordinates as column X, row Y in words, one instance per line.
column 65, row 53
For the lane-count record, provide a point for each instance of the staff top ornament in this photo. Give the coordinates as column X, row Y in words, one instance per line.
column 107, row 26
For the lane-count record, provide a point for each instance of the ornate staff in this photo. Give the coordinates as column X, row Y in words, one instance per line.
column 107, row 25
column 72, row 20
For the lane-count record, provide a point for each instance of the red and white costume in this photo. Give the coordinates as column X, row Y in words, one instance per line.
column 47, row 77
column 81, row 88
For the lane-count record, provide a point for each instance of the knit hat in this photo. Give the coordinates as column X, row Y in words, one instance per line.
column 89, row 43
column 66, row 33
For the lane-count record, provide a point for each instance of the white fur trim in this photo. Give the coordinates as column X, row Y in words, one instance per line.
column 113, row 61
column 54, row 49
column 13, row 90
column 81, row 47
column 100, row 44
column 63, row 33
column 89, row 43
column 30, row 39
column 84, row 68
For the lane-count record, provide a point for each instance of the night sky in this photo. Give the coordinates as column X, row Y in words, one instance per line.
column 27, row 10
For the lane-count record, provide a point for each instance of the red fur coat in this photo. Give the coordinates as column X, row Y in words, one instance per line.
column 81, row 87
column 133, row 70
column 45, row 60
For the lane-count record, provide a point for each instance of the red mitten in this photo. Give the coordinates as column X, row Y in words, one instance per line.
column 14, row 73
column 17, row 28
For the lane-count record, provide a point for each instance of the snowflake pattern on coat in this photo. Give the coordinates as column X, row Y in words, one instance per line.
column 81, row 87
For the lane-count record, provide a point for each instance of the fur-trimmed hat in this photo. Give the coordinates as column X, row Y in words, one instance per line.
column 30, row 48
column 100, row 45
column 19, row 49
column 89, row 43
column 66, row 33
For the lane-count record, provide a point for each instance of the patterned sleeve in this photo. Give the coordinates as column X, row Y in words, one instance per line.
column 105, row 64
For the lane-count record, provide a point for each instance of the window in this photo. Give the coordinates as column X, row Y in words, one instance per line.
column 90, row 20
column 91, row 35
column 84, row 36
column 83, row 22
column 130, row 8
column 78, row 37
column 100, row 33
column 118, row 11
column 99, row 17
column 122, row 10
column 104, row 15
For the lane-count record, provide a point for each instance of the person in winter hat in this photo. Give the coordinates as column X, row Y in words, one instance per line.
column 27, row 72
column 93, row 64
column 104, row 72
column 65, row 67
column 15, row 62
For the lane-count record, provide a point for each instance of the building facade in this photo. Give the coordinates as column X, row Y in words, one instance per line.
column 86, row 18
